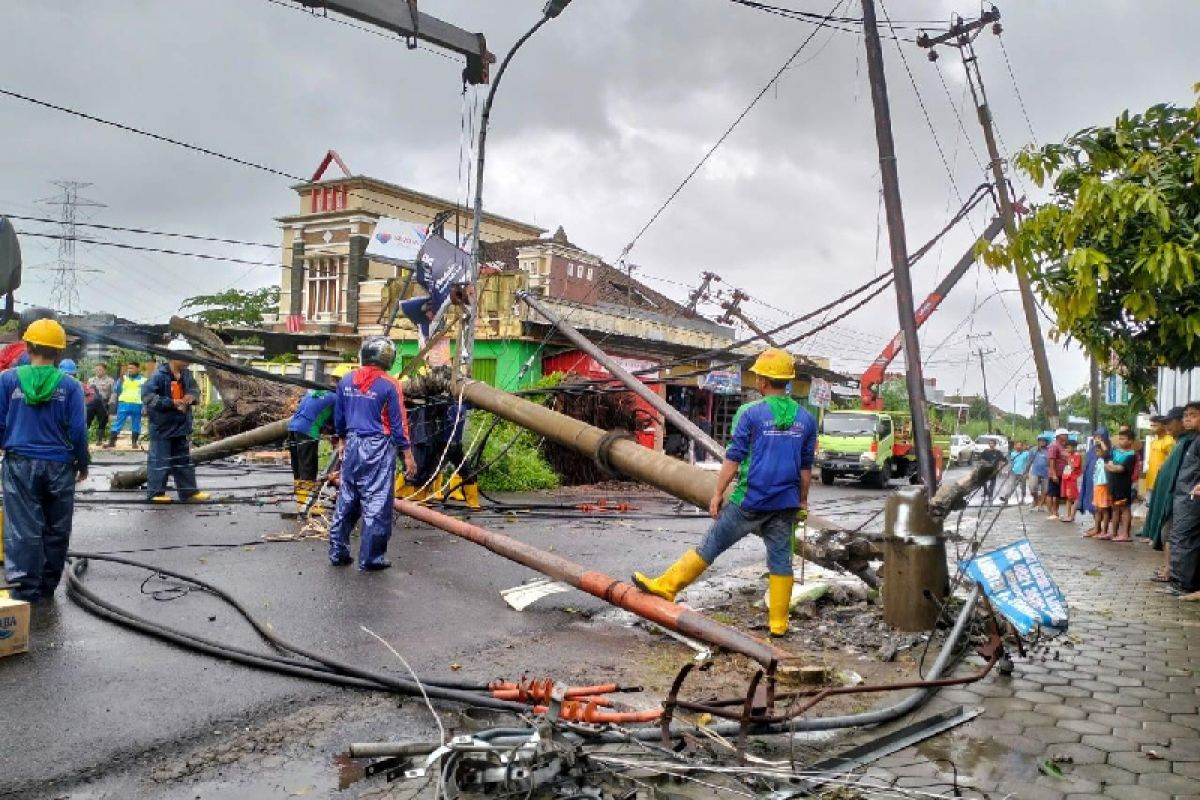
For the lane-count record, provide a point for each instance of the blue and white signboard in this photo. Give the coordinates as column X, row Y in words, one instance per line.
column 1019, row 587
column 722, row 381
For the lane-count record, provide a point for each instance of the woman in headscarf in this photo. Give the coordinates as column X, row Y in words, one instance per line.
column 1087, row 483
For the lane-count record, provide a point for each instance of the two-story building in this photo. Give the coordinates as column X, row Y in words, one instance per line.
column 348, row 262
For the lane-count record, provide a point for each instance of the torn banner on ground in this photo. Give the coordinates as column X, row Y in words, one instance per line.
column 1019, row 587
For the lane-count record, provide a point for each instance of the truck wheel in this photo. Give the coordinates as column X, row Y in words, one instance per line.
column 878, row 480
column 827, row 477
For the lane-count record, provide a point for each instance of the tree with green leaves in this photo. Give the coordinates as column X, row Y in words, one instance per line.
column 1115, row 252
column 233, row 307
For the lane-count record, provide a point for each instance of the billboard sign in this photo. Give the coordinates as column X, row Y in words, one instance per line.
column 396, row 241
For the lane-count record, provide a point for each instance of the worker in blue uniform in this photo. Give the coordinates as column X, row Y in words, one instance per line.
column 368, row 419
column 771, row 457
column 43, row 432
column 312, row 418
column 169, row 395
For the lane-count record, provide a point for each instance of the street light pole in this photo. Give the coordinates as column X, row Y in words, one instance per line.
column 466, row 350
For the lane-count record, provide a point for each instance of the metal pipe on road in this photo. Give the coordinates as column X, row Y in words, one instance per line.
column 626, row 377
column 273, row 432
column 624, row 595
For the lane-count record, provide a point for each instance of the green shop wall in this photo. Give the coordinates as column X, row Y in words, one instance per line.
column 497, row 362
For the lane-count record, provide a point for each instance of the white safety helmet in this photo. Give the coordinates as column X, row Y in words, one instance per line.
column 179, row 345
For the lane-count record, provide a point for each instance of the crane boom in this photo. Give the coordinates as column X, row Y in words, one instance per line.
column 872, row 379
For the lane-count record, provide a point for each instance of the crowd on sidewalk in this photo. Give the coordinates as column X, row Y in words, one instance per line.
column 1101, row 477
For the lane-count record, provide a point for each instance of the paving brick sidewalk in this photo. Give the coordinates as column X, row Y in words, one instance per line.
column 1117, row 700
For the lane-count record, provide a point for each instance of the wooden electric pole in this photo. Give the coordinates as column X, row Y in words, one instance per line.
column 962, row 34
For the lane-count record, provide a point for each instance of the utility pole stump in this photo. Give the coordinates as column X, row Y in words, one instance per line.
column 916, row 580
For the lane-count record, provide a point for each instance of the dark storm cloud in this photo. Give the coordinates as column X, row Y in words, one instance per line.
column 598, row 119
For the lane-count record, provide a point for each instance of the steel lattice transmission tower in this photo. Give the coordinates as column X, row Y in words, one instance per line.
column 64, row 295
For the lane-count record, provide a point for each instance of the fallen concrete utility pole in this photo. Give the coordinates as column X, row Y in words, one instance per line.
column 643, row 391
column 623, row 595
column 617, row 453
column 274, row 432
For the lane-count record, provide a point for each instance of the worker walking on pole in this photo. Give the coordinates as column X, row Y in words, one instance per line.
column 44, row 437
column 313, row 417
column 169, row 396
column 771, row 456
column 128, row 390
column 368, row 419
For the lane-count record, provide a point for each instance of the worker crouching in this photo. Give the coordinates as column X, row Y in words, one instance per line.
column 313, row 417
column 771, row 456
column 368, row 419
column 43, row 432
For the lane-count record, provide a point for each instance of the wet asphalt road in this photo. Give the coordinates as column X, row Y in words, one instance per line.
column 90, row 696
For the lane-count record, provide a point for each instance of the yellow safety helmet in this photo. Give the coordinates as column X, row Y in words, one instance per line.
column 775, row 364
column 47, row 333
column 342, row 370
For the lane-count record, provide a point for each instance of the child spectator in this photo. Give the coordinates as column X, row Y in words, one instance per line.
column 1070, row 483
column 1122, row 469
column 1101, row 500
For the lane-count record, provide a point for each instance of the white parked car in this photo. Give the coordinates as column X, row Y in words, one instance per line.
column 984, row 442
column 962, row 449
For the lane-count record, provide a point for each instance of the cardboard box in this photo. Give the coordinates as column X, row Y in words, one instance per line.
column 14, row 627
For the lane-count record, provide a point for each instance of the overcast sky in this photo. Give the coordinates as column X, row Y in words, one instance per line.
column 600, row 116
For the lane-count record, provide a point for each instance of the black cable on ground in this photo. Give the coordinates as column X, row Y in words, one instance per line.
column 325, row 668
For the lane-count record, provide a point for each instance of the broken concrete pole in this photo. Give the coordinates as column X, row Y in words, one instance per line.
column 259, row 437
column 915, row 578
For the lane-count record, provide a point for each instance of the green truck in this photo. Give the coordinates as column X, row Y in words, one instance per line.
column 871, row 446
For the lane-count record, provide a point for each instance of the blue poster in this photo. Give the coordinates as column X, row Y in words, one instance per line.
column 1019, row 587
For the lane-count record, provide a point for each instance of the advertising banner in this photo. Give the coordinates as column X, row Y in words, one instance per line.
column 1019, row 587
column 396, row 241
column 820, row 393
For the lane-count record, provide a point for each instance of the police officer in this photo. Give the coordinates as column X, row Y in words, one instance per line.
column 368, row 419
column 44, row 437
column 771, row 455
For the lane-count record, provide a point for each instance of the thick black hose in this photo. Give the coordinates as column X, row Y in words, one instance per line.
column 442, row 689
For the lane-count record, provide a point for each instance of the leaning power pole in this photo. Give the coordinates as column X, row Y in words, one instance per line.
column 962, row 35
column 898, row 246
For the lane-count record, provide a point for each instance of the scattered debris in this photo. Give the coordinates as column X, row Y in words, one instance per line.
column 526, row 594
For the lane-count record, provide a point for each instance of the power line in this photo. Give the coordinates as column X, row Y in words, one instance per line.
column 144, row 249
column 1017, row 90
column 148, row 232
column 704, row 160
column 201, row 149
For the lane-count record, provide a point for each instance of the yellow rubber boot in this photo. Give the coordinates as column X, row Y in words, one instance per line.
column 303, row 490
column 471, row 495
column 435, row 491
column 677, row 577
column 454, row 488
column 779, row 598
column 404, row 490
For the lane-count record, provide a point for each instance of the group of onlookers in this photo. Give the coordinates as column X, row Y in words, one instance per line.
column 1173, row 513
column 1101, row 478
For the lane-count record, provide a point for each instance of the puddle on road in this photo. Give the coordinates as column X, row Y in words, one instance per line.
column 982, row 760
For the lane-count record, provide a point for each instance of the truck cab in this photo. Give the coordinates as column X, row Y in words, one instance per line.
column 872, row 446
column 856, row 444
